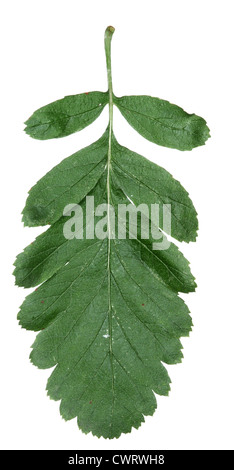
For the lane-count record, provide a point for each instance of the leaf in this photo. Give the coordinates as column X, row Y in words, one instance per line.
column 105, row 374
column 162, row 122
column 97, row 335
column 107, row 307
column 51, row 250
column 73, row 177
column 66, row 116
column 148, row 182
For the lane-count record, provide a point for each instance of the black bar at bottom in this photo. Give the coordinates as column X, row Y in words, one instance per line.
column 116, row 458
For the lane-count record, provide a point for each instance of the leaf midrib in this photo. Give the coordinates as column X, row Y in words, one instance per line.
column 155, row 119
column 66, row 117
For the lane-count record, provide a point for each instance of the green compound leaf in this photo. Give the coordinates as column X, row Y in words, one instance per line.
column 107, row 307
column 163, row 123
column 108, row 321
column 66, row 116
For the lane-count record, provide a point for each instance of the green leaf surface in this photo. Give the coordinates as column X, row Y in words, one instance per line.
column 98, row 340
column 145, row 181
column 162, row 122
column 66, row 116
column 69, row 181
column 51, row 250
column 110, row 314
column 107, row 307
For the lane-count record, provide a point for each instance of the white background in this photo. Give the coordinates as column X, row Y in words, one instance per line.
column 181, row 51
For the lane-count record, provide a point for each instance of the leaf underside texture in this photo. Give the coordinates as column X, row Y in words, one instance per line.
column 107, row 310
